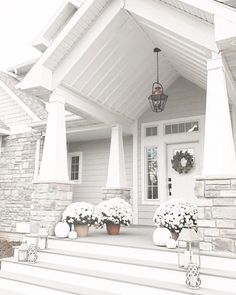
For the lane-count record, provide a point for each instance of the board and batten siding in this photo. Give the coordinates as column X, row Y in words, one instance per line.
column 185, row 99
column 95, row 157
column 10, row 112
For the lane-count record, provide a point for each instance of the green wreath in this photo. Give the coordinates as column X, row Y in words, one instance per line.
column 177, row 162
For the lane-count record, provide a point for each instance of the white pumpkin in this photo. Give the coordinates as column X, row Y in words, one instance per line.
column 171, row 244
column 62, row 230
column 160, row 236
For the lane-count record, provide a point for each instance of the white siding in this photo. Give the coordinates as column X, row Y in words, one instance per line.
column 94, row 168
column 10, row 112
column 185, row 100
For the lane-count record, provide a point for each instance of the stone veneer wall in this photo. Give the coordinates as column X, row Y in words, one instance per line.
column 49, row 200
column 123, row 193
column 217, row 213
column 17, row 161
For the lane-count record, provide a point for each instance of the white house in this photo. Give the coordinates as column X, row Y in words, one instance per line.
column 95, row 74
column 76, row 125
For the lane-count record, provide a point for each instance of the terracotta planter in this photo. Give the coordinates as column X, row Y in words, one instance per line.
column 82, row 230
column 113, row 229
column 174, row 235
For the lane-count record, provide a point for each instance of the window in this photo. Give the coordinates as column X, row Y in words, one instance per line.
column 185, row 127
column 75, row 166
column 151, row 173
column 151, row 131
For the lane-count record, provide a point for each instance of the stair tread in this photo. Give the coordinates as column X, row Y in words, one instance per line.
column 124, row 278
column 8, row 292
column 142, row 262
column 55, row 285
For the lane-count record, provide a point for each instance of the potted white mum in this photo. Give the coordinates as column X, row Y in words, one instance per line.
column 176, row 214
column 114, row 213
column 79, row 215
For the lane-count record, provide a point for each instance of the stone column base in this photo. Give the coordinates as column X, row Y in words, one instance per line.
column 123, row 193
column 217, row 213
column 49, row 200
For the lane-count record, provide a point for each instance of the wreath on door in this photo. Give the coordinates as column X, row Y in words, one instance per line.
column 182, row 162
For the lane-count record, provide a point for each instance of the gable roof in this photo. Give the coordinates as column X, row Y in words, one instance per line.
column 33, row 103
column 103, row 50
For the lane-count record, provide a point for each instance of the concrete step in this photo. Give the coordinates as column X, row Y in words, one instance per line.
column 74, row 267
column 29, row 285
column 7, row 292
column 150, row 254
column 122, row 285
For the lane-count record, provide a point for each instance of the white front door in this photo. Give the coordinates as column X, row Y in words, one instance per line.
column 182, row 185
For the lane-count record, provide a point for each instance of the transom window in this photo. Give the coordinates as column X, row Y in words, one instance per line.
column 151, row 131
column 185, row 127
column 75, row 166
column 151, row 171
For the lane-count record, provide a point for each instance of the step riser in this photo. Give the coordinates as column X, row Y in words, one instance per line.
column 171, row 276
column 28, row 289
column 84, row 281
column 213, row 262
column 110, row 250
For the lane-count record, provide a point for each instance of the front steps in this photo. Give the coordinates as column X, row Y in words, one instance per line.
column 82, row 267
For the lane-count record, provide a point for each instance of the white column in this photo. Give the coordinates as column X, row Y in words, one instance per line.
column 219, row 152
column 116, row 169
column 54, row 160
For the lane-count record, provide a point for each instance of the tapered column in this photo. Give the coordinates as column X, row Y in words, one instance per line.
column 116, row 179
column 219, row 152
column 54, row 159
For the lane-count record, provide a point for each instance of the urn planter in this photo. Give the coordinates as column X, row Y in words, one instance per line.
column 82, row 230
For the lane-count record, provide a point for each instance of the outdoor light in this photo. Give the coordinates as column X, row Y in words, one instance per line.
column 157, row 99
column 42, row 239
column 22, row 252
column 190, row 258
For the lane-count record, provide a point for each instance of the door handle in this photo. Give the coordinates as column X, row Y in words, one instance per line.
column 170, row 186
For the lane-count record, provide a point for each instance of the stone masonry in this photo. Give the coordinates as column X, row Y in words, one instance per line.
column 123, row 193
column 17, row 161
column 49, row 200
column 217, row 213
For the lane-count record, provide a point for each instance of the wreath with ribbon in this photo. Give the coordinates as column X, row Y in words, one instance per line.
column 182, row 162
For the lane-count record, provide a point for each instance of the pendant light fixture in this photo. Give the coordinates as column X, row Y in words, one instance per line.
column 158, row 98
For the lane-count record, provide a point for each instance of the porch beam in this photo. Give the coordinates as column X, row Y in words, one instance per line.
column 219, row 151
column 77, row 101
column 192, row 29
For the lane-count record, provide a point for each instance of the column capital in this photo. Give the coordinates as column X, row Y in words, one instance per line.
column 215, row 63
column 54, row 97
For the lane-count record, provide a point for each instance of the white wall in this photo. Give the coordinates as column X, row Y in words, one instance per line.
column 185, row 100
column 94, row 168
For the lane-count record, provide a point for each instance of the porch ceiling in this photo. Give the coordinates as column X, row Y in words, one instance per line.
column 118, row 70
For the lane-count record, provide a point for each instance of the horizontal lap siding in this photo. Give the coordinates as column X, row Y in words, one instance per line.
column 185, row 100
column 95, row 156
column 10, row 112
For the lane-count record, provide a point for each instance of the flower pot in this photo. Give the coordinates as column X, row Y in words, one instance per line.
column 82, row 230
column 174, row 235
column 113, row 229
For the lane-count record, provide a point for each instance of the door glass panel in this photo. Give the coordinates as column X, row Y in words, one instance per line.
column 151, row 173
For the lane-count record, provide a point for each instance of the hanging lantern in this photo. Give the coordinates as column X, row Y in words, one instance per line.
column 42, row 239
column 22, row 252
column 157, row 99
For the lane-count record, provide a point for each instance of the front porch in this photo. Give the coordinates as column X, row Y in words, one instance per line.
column 124, row 264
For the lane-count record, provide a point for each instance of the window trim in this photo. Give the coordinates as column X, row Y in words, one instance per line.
column 80, row 155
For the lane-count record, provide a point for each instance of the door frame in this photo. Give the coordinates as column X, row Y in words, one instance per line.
column 162, row 141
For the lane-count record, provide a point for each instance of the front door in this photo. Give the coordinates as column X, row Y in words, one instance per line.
column 181, row 185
